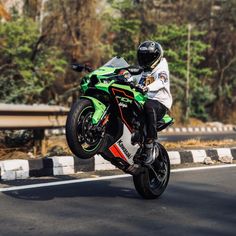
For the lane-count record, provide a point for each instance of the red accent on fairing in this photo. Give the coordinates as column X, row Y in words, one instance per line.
column 105, row 120
column 116, row 152
column 130, row 129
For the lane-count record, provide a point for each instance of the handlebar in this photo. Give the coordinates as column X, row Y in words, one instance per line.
column 122, row 80
column 136, row 87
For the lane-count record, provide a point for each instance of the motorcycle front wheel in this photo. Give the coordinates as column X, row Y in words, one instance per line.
column 153, row 180
column 82, row 140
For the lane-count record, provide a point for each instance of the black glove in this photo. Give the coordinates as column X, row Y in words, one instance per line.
column 142, row 89
column 145, row 89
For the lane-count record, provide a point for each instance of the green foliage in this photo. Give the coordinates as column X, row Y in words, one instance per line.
column 94, row 30
column 126, row 38
column 28, row 67
column 200, row 100
column 126, row 27
column 174, row 41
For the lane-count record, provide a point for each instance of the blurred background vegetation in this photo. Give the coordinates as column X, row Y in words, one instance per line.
column 40, row 38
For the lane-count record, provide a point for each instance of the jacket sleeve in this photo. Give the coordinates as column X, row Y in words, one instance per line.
column 159, row 83
column 156, row 85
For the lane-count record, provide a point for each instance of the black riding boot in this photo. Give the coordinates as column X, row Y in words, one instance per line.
column 149, row 153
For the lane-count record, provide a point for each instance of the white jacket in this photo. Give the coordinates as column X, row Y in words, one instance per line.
column 159, row 89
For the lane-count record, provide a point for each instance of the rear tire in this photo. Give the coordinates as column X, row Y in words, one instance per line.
column 81, row 141
column 147, row 184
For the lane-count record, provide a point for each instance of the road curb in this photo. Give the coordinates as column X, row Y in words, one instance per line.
column 194, row 129
column 203, row 129
column 66, row 165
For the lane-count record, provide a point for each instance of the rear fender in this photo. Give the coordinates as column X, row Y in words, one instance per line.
column 99, row 109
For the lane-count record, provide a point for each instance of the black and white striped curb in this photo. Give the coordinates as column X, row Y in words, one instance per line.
column 66, row 165
column 51, row 166
column 203, row 129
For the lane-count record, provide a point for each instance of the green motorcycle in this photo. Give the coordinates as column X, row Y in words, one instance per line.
column 108, row 120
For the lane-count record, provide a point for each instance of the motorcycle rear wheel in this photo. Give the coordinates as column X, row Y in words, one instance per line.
column 151, row 185
column 81, row 141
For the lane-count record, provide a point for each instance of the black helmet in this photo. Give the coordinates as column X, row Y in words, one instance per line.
column 149, row 54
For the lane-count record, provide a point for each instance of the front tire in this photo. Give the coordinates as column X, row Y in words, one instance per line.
column 150, row 185
column 82, row 141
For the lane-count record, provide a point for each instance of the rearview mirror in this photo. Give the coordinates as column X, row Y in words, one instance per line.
column 79, row 67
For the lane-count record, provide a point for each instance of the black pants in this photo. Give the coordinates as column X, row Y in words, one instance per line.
column 154, row 111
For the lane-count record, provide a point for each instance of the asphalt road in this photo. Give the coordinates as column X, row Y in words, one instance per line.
column 174, row 137
column 199, row 202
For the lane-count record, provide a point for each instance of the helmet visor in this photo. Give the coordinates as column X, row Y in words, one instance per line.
column 145, row 58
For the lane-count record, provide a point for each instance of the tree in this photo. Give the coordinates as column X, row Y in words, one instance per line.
column 131, row 27
column 74, row 27
column 92, row 31
column 28, row 67
column 223, row 58
column 125, row 28
column 215, row 17
column 4, row 15
column 218, row 19
column 174, row 41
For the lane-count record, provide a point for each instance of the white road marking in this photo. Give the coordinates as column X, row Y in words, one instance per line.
column 203, row 168
column 65, row 182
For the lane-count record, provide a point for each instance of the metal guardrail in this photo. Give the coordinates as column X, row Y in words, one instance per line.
column 32, row 116
column 43, row 117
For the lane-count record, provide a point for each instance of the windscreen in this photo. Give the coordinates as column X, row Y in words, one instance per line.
column 117, row 62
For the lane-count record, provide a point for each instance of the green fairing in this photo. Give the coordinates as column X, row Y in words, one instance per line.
column 103, row 86
column 84, row 87
column 140, row 98
column 103, row 71
column 99, row 109
column 167, row 118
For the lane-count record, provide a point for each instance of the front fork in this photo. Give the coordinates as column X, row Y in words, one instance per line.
column 100, row 127
column 99, row 108
column 100, row 116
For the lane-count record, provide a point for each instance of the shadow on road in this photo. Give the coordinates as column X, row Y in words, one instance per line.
column 87, row 189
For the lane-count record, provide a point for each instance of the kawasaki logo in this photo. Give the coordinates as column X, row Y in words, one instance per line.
column 126, row 152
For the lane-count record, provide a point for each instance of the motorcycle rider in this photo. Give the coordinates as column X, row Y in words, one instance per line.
column 156, row 84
